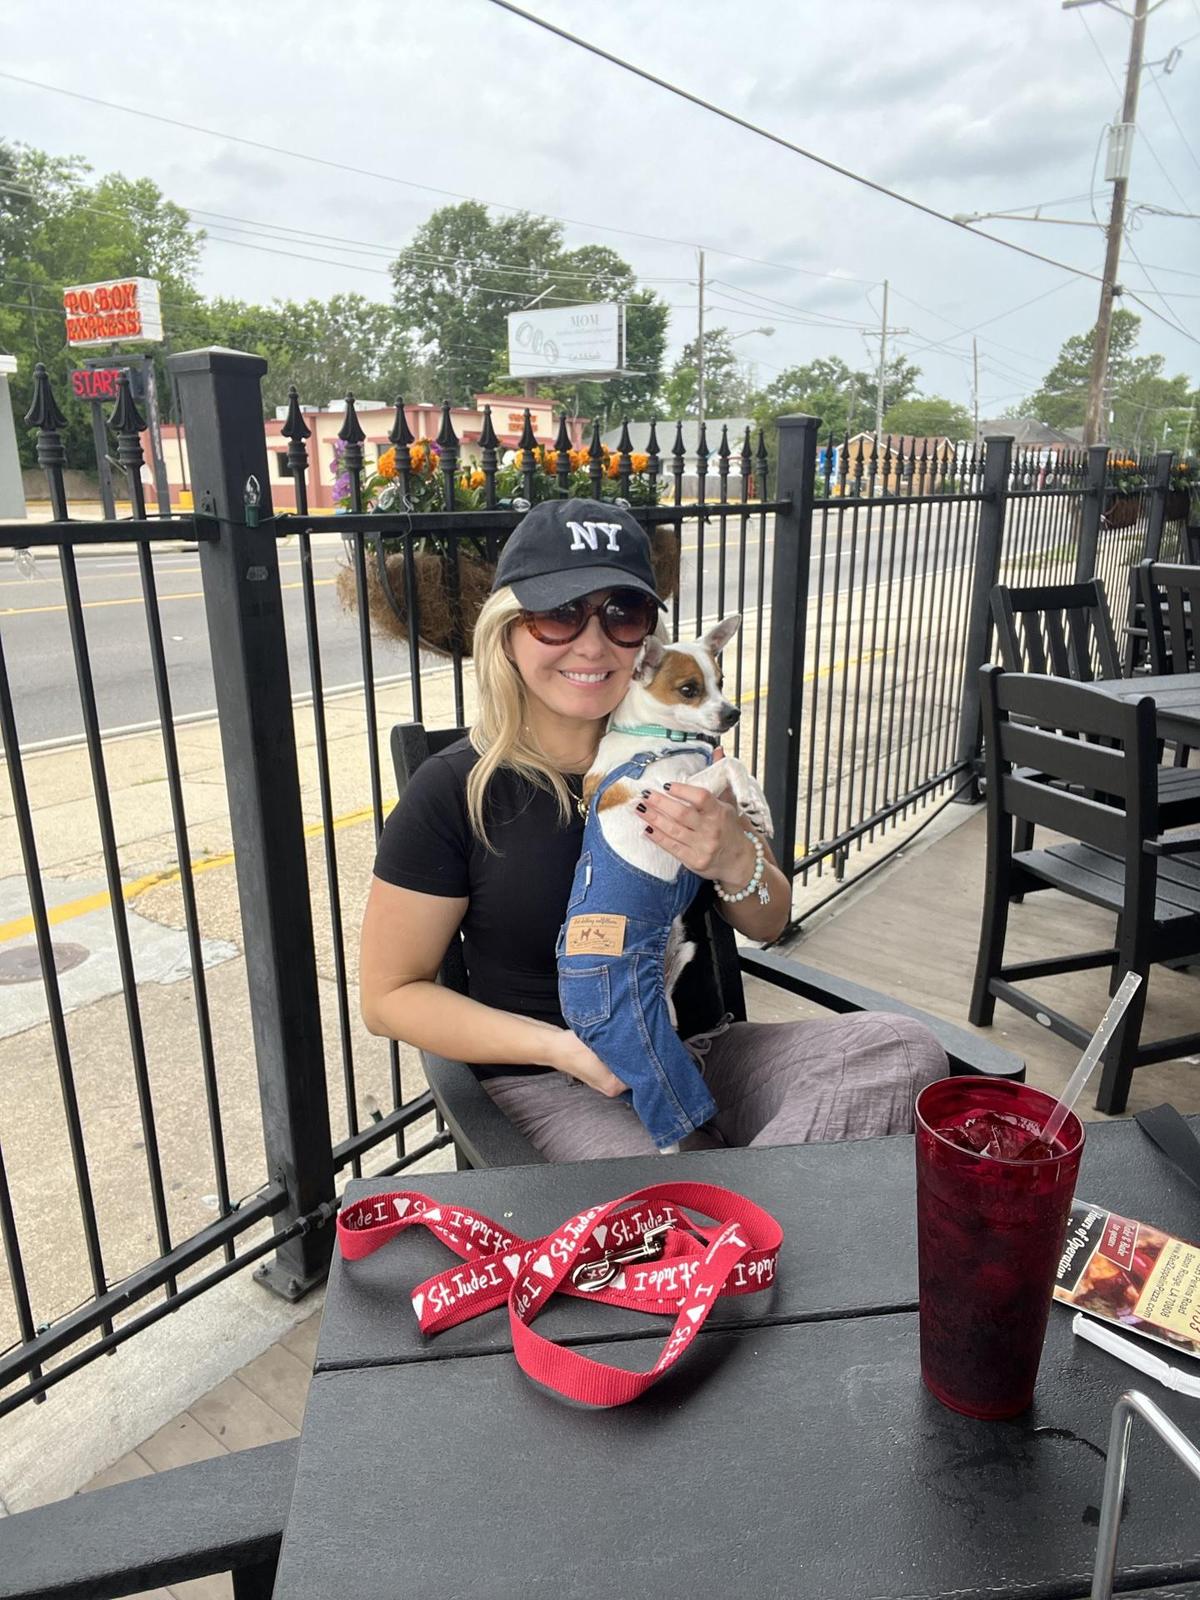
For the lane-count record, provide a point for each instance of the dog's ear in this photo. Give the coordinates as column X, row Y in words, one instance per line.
column 649, row 659
column 715, row 640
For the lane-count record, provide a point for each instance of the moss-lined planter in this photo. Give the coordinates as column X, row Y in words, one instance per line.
column 443, row 618
column 1122, row 511
column 1178, row 505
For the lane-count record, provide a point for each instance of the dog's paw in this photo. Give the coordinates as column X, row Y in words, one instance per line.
column 758, row 815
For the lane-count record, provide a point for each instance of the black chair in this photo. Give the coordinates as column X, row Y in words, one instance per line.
column 710, row 987
column 1065, row 631
column 1191, row 543
column 1099, row 757
column 1171, row 599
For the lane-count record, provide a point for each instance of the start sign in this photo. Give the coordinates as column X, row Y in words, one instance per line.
column 100, row 383
column 121, row 309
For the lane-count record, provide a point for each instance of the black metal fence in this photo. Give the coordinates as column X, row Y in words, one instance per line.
column 863, row 580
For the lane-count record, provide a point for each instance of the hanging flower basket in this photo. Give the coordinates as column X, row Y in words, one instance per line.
column 443, row 617
column 1178, row 504
column 1122, row 511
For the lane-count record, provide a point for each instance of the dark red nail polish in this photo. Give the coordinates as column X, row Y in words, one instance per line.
column 649, row 830
column 666, row 785
column 641, row 807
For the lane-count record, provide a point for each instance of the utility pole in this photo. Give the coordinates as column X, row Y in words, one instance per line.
column 700, row 337
column 1095, row 427
column 975, row 386
column 883, row 332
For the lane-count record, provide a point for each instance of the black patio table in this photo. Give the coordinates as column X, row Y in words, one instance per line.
column 1176, row 698
column 792, row 1452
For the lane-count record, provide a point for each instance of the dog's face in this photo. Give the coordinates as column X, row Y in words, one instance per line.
column 680, row 685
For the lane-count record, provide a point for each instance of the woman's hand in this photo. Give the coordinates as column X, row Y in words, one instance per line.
column 702, row 831
column 569, row 1054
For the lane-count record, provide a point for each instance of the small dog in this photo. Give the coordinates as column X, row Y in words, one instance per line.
column 622, row 951
column 678, row 687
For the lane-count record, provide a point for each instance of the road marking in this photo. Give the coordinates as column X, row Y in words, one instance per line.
column 136, row 600
column 22, row 927
column 114, row 574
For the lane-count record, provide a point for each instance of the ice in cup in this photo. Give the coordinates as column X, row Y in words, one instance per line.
column 992, row 1207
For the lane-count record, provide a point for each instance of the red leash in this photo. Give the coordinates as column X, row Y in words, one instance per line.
column 640, row 1251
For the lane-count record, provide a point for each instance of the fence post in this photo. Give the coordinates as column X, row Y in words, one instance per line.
column 220, row 396
column 1092, row 512
column 1159, row 490
column 795, row 476
column 997, row 466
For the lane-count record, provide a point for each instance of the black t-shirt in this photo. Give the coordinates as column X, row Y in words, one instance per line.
column 517, row 892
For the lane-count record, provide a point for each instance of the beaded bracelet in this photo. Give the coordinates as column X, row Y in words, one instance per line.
column 756, row 879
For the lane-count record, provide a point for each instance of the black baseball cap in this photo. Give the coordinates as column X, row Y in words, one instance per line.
column 563, row 549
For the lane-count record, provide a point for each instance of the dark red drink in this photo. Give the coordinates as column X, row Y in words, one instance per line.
column 992, row 1205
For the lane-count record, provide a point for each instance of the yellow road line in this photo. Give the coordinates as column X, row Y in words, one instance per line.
column 22, row 927
column 133, row 575
column 136, row 600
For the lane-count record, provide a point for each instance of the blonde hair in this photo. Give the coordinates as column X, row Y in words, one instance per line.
column 500, row 734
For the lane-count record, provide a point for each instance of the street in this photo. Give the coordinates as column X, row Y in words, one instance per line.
column 33, row 620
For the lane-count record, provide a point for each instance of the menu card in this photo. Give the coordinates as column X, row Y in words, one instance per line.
column 1131, row 1274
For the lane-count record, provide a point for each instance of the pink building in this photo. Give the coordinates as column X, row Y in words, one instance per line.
column 376, row 417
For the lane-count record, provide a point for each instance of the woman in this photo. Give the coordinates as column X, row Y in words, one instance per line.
column 486, row 840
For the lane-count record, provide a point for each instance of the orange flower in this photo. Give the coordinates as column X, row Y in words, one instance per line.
column 550, row 460
column 641, row 461
column 612, row 467
column 578, row 459
column 416, row 455
column 476, row 479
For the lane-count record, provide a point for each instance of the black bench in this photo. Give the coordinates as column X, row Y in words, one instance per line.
column 224, row 1515
column 711, row 986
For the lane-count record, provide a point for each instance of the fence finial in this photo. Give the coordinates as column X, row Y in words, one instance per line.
column 294, row 426
column 126, row 420
column 562, row 439
column 400, row 434
column 350, row 432
column 723, row 449
column 487, row 434
column 677, row 450
column 528, row 440
column 44, row 414
column 447, row 439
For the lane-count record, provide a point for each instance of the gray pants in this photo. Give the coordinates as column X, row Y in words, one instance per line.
column 849, row 1077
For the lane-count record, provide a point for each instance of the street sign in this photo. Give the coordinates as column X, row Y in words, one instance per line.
column 120, row 308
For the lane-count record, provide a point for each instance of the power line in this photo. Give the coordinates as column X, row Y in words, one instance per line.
column 778, row 139
column 1162, row 95
column 411, row 183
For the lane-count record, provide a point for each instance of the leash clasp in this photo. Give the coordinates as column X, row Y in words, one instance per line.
column 589, row 1276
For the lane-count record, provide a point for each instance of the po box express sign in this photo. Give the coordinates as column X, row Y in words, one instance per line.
column 121, row 309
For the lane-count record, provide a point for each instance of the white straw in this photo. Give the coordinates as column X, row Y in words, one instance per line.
column 1109, row 1023
column 1135, row 1355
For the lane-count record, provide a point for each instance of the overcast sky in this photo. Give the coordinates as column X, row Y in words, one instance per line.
column 963, row 105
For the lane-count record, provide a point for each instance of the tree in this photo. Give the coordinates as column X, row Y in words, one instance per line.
column 726, row 390
column 463, row 273
column 57, row 229
column 843, row 398
column 929, row 416
column 1146, row 406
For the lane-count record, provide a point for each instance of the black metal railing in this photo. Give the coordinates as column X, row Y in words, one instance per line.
column 862, row 570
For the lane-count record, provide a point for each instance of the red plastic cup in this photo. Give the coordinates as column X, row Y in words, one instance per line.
column 990, row 1233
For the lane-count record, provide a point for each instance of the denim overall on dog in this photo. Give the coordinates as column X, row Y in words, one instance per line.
column 611, row 985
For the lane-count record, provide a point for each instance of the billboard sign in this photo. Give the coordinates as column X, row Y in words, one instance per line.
column 119, row 310
column 566, row 341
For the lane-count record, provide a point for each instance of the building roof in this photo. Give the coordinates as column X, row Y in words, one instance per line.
column 909, row 443
column 1028, row 430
